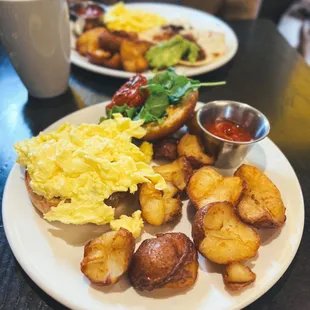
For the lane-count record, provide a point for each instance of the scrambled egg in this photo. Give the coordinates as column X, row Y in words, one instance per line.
column 133, row 223
column 121, row 18
column 84, row 165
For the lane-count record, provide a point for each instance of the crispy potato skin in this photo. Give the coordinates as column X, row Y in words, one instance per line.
column 192, row 148
column 107, row 257
column 261, row 204
column 40, row 202
column 221, row 237
column 165, row 149
column 170, row 260
column 88, row 40
column 159, row 207
column 177, row 117
column 206, row 186
column 132, row 55
column 236, row 276
column 178, row 172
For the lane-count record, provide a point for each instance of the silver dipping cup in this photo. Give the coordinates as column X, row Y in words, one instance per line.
column 230, row 154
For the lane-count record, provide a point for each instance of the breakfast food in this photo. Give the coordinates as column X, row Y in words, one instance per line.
column 159, row 207
column 107, row 258
column 167, row 261
column 192, row 148
column 165, row 149
column 135, row 41
column 178, row 172
column 80, row 174
column 206, row 186
column 71, row 171
column 261, row 204
column 165, row 102
column 121, row 18
column 236, row 276
column 133, row 223
column 221, row 237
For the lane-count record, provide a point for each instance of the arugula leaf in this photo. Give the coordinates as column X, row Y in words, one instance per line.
column 156, row 104
column 125, row 110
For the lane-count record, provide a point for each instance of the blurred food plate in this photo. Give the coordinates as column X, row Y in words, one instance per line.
column 200, row 21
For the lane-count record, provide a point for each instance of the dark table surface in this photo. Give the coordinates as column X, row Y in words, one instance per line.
column 266, row 73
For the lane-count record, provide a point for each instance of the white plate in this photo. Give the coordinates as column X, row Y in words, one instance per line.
column 198, row 19
column 51, row 253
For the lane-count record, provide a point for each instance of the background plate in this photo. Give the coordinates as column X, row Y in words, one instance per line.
column 198, row 19
column 51, row 253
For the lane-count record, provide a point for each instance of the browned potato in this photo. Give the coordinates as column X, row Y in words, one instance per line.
column 40, row 202
column 221, row 237
column 165, row 149
column 237, row 276
column 88, row 39
column 132, row 54
column 206, row 186
column 261, row 204
column 192, row 148
column 178, row 172
column 170, row 260
column 159, row 207
column 175, row 119
column 107, row 257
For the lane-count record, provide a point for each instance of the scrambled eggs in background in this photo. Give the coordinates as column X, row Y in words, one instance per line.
column 86, row 164
column 121, row 18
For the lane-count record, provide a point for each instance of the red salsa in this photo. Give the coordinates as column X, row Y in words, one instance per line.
column 229, row 130
column 130, row 93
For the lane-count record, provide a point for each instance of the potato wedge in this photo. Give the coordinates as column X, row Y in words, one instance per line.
column 132, row 55
column 192, row 148
column 206, row 186
column 221, row 237
column 175, row 119
column 107, row 257
column 170, row 260
column 159, row 207
column 237, row 276
column 89, row 39
column 178, row 172
column 261, row 204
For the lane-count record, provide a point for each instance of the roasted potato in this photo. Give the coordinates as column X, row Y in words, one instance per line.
column 107, row 257
column 159, row 207
column 261, row 204
column 221, row 237
column 166, row 149
column 192, row 148
column 206, row 186
column 89, row 39
column 178, row 172
column 132, row 54
column 170, row 260
column 175, row 119
column 237, row 276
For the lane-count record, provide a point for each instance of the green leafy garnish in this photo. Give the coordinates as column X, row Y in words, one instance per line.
column 164, row 89
column 125, row 110
column 155, row 105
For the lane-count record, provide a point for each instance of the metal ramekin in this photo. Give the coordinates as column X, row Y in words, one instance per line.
column 230, row 154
